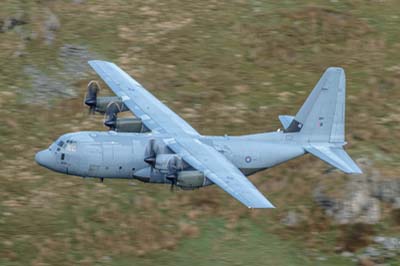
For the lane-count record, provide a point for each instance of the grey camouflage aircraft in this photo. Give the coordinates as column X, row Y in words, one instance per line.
column 158, row 146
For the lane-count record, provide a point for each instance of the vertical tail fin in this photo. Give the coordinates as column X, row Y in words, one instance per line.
column 321, row 118
column 320, row 122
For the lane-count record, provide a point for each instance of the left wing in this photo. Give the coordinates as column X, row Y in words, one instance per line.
column 219, row 170
column 155, row 115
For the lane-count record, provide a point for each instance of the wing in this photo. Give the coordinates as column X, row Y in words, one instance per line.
column 155, row 115
column 219, row 170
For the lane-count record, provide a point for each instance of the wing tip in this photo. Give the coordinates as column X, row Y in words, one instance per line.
column 91, row 62
column 266, row 206
column 355, row 170
column 335, row 68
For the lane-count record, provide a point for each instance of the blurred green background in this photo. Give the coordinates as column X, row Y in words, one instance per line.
column 226, row 67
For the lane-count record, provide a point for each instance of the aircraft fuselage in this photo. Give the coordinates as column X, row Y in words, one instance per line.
column 122, row 155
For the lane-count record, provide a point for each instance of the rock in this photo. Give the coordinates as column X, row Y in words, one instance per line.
column 45, row 87
column 372, row 252
column 347, row 254
column 10, row 23
column 59, row 82
column 390, row 255
column 372, row 212
column 51, row 25
column 387, row 191
column 391, row 243
column 396, row 203
column 357, row 207
column 323, row 200
column 358, row 203
column 74, row 58
column 106, row 258
column 365, row 261
column 379, row 239
column 384, row 249
column 291, row 219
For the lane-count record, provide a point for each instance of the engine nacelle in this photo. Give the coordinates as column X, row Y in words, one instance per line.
column 191, row 179
column 130, row 124
column 103, row 102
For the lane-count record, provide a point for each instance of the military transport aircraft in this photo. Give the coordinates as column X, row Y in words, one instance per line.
column 158, row 146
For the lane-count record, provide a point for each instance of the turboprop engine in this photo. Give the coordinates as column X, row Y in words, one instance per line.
column 110, row 106
column 100, row 104
column 173, row 166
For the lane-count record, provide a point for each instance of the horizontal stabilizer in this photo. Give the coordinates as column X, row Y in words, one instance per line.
column 286, row 120
column 335, row 156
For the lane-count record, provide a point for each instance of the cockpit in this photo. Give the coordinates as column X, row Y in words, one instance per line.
column 66, row 145
column 60, row 154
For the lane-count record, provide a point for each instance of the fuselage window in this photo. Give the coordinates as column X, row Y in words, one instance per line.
column 62, row 156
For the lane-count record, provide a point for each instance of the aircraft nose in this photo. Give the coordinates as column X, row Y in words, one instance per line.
column 44, row 158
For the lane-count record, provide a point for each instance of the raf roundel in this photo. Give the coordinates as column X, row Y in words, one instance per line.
column 248, row 159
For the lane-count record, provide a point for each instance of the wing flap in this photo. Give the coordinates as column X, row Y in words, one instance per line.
column 219, row 170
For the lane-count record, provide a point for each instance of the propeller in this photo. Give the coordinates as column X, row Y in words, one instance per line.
column 173, row 167
column 174, row 163
column 150, row 153
column 110, row 117
column 91, row 95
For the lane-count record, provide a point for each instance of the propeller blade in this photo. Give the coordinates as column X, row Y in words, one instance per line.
column 150, row 160
column 150, row 153
column 173, row 167
column 110, row 117
column 91, row 96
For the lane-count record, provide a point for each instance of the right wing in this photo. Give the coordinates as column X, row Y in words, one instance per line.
column 219, row 170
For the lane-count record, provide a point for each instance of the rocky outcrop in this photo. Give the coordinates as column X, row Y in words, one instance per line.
column 10, row 23
column 383, row 250
column 50, row 26
column 60, row 80
column 46, row 86
column 388, row 191
column 292, row 219
column 361, row 197
column 74, row 59
column 357, row 205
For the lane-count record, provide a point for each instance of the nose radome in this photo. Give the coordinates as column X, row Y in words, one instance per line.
column 44, row 158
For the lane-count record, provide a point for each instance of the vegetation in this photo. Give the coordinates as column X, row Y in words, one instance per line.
column 225, row 66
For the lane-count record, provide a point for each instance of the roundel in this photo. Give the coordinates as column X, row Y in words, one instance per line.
column 248, row 159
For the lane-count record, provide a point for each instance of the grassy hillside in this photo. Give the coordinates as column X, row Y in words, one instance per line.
column 225, row 66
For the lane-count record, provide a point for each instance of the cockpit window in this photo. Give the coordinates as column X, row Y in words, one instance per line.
column 60, row 143
column 70, row 146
